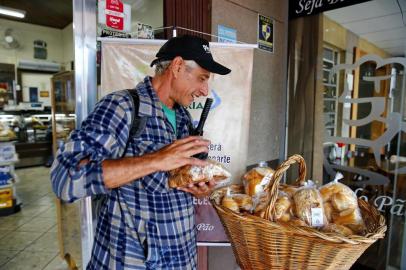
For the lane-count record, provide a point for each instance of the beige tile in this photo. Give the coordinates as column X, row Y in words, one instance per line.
column 38, row 224
column 57, row 264
column 28, row 210
column 6, row 255
column 49, row 213
column 45, row 200
column 54, row 229
column 18, row 240
column 5, row 232
column 13, row 222
column 29, row 260
column 48, row 242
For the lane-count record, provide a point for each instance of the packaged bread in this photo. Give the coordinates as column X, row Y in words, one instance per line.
column 352, row 219
column 298, row 222
column 189, row 174
column 282, row 207
column 243, row 201
column 328, row 211
column 289, row 190
column 309, row 206
column 229, row 203
column 256, row 179
column 336, row 228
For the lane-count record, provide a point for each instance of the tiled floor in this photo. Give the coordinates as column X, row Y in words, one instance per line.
column 28, row 239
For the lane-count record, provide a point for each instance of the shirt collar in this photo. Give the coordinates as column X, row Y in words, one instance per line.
column 150, row 105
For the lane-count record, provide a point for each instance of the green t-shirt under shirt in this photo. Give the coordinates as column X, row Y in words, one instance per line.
column 171, row 115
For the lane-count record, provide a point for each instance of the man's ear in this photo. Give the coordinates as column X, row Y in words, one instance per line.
column 176, row 66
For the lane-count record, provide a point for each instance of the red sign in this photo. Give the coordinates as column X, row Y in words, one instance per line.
column 114, row 5
column 115, row 22
column 208, row 224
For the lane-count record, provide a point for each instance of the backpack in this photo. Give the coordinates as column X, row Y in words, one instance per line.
column 138, row 123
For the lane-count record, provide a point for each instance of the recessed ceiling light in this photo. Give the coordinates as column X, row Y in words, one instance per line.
column 12, row 12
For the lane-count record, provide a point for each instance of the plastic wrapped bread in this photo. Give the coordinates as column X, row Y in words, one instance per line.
column 256, row 179
column 309, row 206
column 341, row 206
column 336, row 228
column 283, row 206
column 189, row 174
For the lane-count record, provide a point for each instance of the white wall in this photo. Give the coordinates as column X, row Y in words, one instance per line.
column 68, row 47
column 60, row 49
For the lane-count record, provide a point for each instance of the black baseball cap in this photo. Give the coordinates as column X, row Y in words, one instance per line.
column 190, row 48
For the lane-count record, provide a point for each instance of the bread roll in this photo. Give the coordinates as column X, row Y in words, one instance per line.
column 282, row 206
column 290, row 190
column 342, row 201
column 243, row 201
column 285, row 217
column 341, row 229
column 328, row 211
column 298, row 222
column 351, row 218
column 229, row 203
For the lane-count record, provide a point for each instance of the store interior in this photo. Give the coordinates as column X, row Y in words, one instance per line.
column 37, row 103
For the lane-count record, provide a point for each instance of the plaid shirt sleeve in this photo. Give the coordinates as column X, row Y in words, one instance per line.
column 103, row 135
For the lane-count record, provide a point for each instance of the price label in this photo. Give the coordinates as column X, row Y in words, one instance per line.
column 317, row 217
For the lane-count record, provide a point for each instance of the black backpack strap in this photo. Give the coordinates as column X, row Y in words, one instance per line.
column 137, row 123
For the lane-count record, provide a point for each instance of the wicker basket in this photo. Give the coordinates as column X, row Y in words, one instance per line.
column 261, row 244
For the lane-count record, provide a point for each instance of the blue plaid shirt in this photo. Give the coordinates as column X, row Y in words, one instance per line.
column 143, row 224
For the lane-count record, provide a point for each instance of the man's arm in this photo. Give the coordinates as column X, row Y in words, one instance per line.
column 122, row 171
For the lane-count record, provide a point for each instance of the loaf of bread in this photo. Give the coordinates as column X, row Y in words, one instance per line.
column 256, row 179
column 282, row 208
column 189, row 174
column 308, row 202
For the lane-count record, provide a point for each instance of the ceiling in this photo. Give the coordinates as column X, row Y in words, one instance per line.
column 378, row 21
column 51, row 13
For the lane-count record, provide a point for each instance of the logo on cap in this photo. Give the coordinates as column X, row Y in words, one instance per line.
column 206, row 48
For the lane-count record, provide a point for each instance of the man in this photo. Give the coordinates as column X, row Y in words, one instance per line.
column 143, row 224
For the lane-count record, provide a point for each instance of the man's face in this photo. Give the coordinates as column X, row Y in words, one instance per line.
column 192, row 82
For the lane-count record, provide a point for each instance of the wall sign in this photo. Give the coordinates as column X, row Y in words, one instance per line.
column 265, row 33
column 301, row 8
column 114, row 15
column 226, row 34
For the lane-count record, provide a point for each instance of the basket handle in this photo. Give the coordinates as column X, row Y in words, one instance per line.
column 276, row 178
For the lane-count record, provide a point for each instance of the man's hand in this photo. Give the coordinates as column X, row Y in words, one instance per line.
column 200, row 190
column 180, row 153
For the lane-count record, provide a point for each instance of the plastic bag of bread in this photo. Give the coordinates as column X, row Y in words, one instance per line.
column 287, row 189
column 256, row 179
column 341, row 206
column 341, row 196
column 336, row 228
column 309, row 205
column 189, row 174
column 352, row 219
column 237, row 202
column 283, row 207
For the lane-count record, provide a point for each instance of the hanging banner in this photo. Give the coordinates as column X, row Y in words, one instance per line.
column 124, row 65
column 301, row 8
